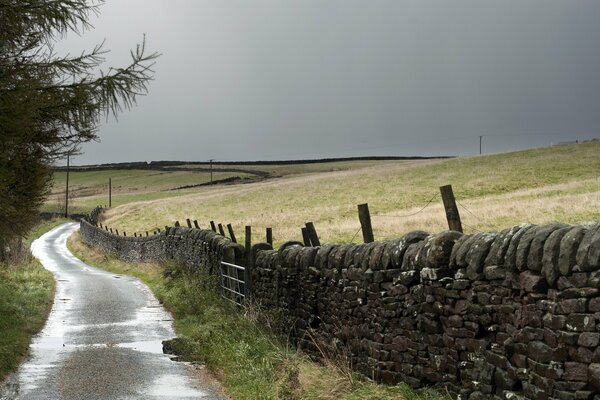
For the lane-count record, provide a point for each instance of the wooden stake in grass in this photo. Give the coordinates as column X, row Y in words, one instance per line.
column 365, row 222
column 231, row 233
column 305, row 237
column 270, row 236
column 248, row 243
column 189, row 223
column 213, row 226
column 177, row 224
column 196, row 224
column 221, row 229
column 452, row 214
column 312, row 234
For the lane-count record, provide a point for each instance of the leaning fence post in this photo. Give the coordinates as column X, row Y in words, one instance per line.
column 189, row 223
column 213, row 226
column 196, row 224
column 365, row 222
column 452, row 214
column 270, row 236
column 312, row 234
column 231, row 233
column 305, row 237
column 221, row 229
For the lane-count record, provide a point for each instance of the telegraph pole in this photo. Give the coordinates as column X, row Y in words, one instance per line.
column 109, row 192
column 480, row 144
column 211, row 170
column 67, row 187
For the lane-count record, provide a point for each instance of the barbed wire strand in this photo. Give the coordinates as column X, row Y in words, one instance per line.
column 471, row 227
column 410, row 215
column 469, row 211
column 353, row 237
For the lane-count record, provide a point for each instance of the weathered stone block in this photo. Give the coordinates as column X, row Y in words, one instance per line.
column 591, row 236
column 581, row 322
column 530, row 282
column 577, row 372
column 569, row 245
column 522, row 250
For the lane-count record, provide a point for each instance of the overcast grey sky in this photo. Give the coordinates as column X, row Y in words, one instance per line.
column 281, row 79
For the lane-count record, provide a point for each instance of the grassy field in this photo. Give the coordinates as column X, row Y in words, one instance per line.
column 26, row 293
column 88, row 189
column 236, row 347
column 560, row 183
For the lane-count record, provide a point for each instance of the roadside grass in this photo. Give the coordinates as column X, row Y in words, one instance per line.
column 560, row 183
column 26, row 295
column 237, row 346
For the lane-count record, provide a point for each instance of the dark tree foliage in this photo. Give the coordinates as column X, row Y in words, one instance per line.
column 50, row 104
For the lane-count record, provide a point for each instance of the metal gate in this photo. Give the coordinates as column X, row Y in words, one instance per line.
column 233, row 286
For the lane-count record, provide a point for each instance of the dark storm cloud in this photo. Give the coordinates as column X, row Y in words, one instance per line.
column 301, row 79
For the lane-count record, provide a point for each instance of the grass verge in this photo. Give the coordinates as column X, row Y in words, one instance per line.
column 236, row 346
column 26, row 294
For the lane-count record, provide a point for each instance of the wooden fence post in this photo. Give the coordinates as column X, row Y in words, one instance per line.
column 231, row 233
column 305, row 237
column 196, row 224
column 189, row 223
column 452, row 214
column 177, row 224
column 213, row 226
column 312, row 234
column 117, row 231
column 365, row 222
column 270, row 236
column 248, row 244
column 221, row 229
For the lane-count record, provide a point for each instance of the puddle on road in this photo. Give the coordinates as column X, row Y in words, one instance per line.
column 176, row 387
column 151, row 346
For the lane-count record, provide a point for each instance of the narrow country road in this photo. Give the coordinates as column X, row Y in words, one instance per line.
column 102, row 339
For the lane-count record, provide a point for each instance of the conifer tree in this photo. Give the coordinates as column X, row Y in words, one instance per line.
column 50, row 104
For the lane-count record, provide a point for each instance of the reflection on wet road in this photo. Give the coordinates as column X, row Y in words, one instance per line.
column 102, row 339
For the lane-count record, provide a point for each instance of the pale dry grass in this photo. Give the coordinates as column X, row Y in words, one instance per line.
column 329, row 200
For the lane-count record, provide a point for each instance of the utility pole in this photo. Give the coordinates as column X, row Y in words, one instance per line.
column 67, row 187
column 211, row 161
column 480, row 144
column 109, row 192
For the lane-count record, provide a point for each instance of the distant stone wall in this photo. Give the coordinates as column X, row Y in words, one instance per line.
column 193, row 248
column 513, row 314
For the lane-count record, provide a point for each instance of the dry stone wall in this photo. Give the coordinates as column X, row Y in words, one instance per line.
column 507, row 315
column 193, row 248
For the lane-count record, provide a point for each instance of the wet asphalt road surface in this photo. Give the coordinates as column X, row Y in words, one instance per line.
column 102, row 339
